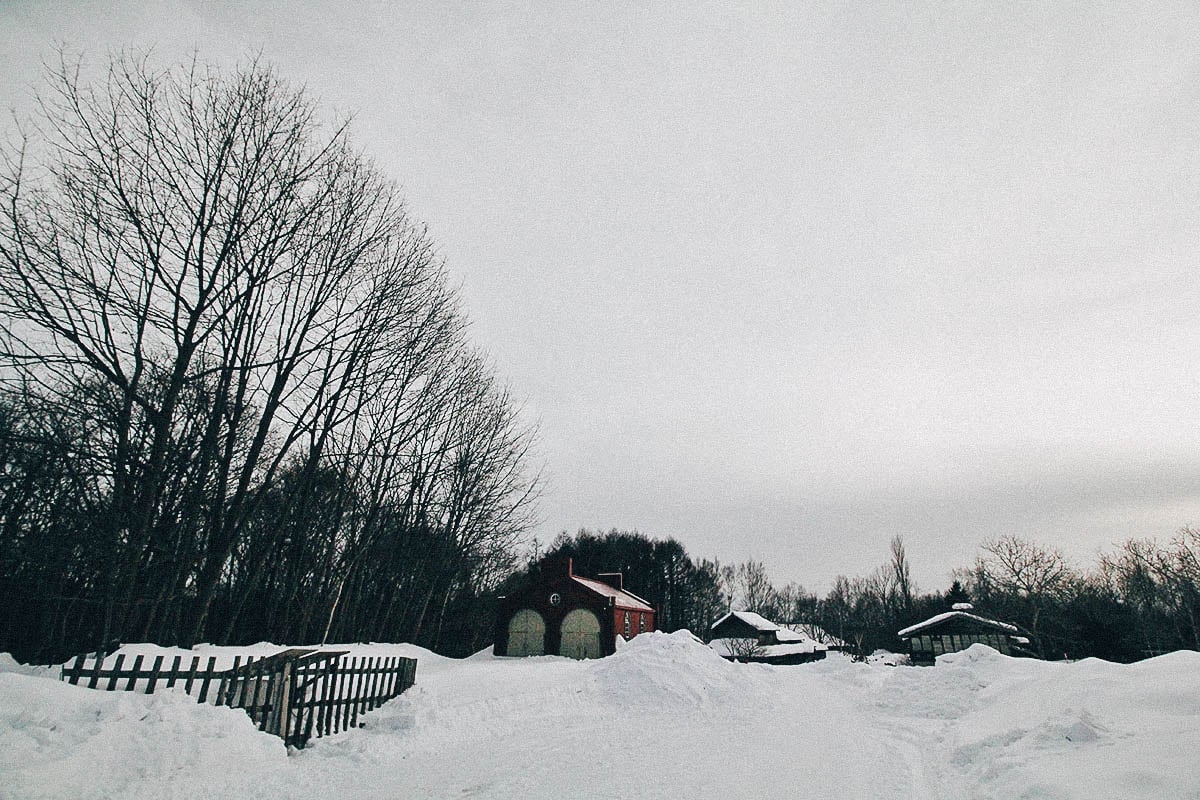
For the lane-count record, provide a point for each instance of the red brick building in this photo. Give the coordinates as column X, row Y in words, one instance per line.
column 566, row 614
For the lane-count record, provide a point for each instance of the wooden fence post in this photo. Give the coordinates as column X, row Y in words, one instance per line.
column 112, row 680
column 96, row 670
column 282, row 706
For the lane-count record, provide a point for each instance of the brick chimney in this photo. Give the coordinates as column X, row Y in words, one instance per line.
column 613, row 579
column 559, row 565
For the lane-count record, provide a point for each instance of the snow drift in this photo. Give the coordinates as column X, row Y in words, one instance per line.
column 663, row 718
column 60, row 741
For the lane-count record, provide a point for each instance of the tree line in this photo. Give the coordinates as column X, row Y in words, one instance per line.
column 1139, row 600
column 237, row 401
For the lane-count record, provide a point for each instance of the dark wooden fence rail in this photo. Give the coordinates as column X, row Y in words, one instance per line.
column 295, row 694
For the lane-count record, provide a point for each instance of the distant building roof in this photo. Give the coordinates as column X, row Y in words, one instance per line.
column 732, row 648
column 621, row 598
column 816, row 633
column 787, row 635
column 756, row 621
column 934, row 621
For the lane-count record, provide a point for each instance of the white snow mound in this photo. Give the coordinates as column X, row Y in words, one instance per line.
column 675, row 671
column 63, row 741
column 10, row 664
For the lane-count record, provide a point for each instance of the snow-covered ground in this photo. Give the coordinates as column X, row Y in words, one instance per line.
column 663, row 718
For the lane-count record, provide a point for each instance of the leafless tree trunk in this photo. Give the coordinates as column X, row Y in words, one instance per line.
column 901, row 573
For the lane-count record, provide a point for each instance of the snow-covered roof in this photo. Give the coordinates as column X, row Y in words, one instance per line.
column 816, row 633
column 623, row 598
column 790, row 648
column 756, row 621
column 940, row 618
column 733, row 648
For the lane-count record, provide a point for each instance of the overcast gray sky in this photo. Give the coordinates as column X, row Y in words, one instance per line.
column 783, row 280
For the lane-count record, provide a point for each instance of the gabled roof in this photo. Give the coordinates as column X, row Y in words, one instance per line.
column 940, row 618
column 759, row 623
column 621, row 598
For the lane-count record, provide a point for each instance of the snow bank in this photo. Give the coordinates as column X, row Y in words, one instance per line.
column 62, row 741
column 665, row 717
column 995, row 726
column 1082, row 730
column 10, row 664
column 676, row 671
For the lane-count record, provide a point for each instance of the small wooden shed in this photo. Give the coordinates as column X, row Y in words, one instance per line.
column 570, row 615
column 958, row 629
column 747, row 636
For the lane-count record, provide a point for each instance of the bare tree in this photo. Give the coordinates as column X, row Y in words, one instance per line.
column 742, row 648
column 1163, row 582
column 754, row 588
column 728, row 580
column 1035, row 574
column 901, row 573
column 249, row 322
